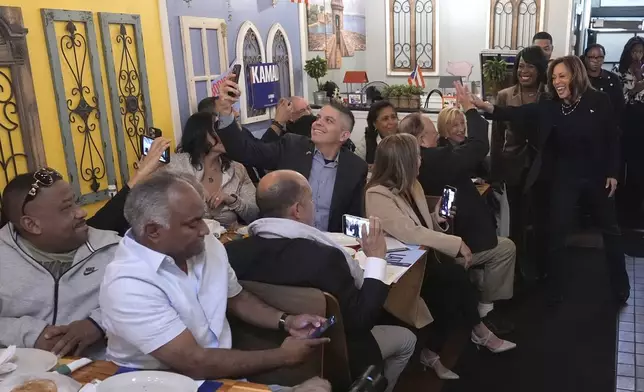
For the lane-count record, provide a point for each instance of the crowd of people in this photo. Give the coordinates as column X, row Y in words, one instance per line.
column 144, row 284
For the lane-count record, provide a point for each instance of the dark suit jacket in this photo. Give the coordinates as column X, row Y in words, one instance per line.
column 601, row 124
column 305, row 263
column 449, row 165
column 295, row 152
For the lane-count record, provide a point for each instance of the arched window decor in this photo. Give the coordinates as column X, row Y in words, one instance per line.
column 513, row 23
column 250, row 50
column 278, row 50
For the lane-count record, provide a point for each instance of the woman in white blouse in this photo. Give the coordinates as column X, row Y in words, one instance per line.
column 230, row 193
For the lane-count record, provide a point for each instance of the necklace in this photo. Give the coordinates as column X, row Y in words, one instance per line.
column 568, row 109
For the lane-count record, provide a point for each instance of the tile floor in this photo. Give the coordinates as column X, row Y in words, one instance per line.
column 630, row 345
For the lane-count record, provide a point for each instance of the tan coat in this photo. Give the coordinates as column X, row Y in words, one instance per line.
column 399, row 220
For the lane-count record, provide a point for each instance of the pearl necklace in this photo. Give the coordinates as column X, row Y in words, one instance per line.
column 568, row 109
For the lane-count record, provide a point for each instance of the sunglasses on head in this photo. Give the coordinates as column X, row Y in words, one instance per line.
column 44, row 177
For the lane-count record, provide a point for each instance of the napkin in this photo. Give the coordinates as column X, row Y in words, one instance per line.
column 206, row 386
column 215, row 227
column 7, row 355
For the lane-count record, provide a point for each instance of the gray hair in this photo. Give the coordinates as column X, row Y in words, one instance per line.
column 149, row 201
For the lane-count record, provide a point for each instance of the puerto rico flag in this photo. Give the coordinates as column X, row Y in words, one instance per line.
column 416, row 77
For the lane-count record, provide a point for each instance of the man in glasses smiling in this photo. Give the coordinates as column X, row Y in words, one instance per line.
column 52, row 264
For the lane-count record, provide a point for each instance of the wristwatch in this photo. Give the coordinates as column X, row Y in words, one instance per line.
column 281, row 325
column 278, row 125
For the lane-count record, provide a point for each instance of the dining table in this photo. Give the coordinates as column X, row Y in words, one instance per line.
column 101, row 370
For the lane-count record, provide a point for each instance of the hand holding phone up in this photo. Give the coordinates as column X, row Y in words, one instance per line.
column 373, row 239
column 228, row 95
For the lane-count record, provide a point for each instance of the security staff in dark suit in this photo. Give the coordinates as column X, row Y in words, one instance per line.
column 602, row 79
column 336, row 175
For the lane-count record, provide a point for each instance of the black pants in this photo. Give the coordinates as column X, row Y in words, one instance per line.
column 451, row 298
column 631, row 190
column 565, row 194
column 531, row 207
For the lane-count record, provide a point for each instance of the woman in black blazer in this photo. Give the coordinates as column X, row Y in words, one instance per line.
column 577, row 141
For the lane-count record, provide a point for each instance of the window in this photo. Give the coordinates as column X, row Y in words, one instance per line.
column 250, row 49
column 205, row 54
column 513, row 23
column 412, row 36
column 278, row 50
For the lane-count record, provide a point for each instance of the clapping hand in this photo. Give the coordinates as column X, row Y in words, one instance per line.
column 463, row 96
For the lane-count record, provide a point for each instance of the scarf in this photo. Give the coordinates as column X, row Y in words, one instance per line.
column 286, row 228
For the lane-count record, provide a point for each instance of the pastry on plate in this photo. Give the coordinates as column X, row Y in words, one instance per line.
column 36, row 386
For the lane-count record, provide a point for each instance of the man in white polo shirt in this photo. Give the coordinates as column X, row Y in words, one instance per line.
column 165, row 295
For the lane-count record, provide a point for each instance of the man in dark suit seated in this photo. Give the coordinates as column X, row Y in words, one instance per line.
column 453, row 165
column 336, row 175
column 284, row 248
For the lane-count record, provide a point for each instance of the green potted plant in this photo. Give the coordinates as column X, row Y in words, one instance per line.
column 495, row 73
column 403, row 96
column 393, row 93
column 317, row 68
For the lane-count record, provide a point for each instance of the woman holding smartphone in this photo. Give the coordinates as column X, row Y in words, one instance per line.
column 577, row 143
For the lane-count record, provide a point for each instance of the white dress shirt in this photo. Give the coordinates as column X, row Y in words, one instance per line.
column 147, row 301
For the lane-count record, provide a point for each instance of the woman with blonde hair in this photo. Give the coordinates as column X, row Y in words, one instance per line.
column 577, row 142
column 396, row 197
column 452, row 126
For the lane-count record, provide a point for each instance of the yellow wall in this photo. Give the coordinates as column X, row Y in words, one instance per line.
column 160, row 103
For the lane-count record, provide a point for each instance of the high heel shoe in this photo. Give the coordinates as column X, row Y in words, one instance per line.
column 482, row 342
column 430, row 362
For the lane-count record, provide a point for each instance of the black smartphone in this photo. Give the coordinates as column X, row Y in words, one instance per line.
column 236, row 72
column 146, row 144
column 319, row 331
column 449, row 195
column 352, row 225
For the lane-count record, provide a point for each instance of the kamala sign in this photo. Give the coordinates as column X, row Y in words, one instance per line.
column 264, row 83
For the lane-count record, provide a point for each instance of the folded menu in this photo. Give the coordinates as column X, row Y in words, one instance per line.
column 397, row 263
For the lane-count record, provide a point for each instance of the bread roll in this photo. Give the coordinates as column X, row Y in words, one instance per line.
column 37, row 386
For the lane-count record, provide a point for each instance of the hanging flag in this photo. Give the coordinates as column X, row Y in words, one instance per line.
column 416, row 77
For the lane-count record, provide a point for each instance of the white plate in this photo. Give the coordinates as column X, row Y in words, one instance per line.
column 242, row 230
column 148, row 381
column 32, row 360
column 342, row 239
column 63, row 383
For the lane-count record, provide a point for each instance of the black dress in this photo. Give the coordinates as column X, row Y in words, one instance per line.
column 578, row 146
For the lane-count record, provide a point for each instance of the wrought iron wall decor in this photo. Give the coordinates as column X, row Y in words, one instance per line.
column 252, row 55
column 127, row 78
column 10, row 155
column 412, row 35
column 513, row 23
column 21, row 145
column 84, row 110
column 280, row 56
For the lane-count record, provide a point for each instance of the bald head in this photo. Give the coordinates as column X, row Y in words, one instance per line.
column 300, row 107
column 285, row 194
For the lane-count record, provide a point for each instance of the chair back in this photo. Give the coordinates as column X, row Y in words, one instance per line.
column 336, row 356
column 292, row 300
column 432, row 202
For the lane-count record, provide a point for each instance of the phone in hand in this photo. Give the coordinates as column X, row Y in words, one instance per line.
column 319, row 331
column 449, row 195
column 236, row 72
column 352, row 225
column 146, row 144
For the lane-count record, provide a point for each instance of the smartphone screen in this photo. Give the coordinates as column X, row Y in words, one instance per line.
column 319, row 331
column 449, row 195
column 352, row 225
column 146, row 144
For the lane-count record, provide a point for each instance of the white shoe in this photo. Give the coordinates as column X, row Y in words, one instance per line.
column 482, row 342
column 430, row 362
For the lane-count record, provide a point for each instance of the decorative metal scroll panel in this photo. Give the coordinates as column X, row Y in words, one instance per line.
column 128, row 85
column 252, row 53
column 280, row 56
column 13, row 159
column 412, row 35
column 81, row 108
column 513, row 23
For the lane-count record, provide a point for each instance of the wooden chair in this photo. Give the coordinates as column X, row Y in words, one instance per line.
column 336, row 357
column 432, row 202
column 293, row 300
